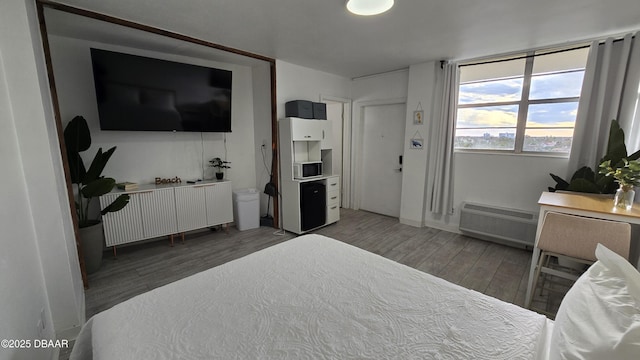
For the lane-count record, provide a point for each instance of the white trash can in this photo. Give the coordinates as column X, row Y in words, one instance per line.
column 246, row 209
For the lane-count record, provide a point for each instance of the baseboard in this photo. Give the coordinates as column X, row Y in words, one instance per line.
column 441, row 226
column 432, row 224
column 414, row 223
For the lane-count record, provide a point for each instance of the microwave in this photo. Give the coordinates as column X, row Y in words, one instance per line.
column 303, row 170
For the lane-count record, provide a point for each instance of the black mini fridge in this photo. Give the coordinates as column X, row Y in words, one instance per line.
column 313, row 204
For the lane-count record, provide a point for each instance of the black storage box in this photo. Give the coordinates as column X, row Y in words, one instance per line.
column 299, row 108
column 320, row 111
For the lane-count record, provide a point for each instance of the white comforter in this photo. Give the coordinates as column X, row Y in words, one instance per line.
column 313, row 298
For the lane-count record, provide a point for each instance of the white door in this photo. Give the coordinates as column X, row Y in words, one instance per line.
column 382, row 146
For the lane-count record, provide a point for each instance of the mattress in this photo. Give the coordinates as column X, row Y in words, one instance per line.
column 313, row 297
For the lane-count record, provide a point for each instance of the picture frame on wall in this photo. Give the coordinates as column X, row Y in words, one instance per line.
column 418, row 117
column 416, row 143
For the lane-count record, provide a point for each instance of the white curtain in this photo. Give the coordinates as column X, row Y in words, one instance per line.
column 609, row 91
column 629, row 112
column 441, row 191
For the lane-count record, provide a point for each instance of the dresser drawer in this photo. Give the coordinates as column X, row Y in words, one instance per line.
column 333, row 183
column 333, row 213
column 333, row 197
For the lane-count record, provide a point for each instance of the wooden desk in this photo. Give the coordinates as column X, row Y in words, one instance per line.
column 590, row 205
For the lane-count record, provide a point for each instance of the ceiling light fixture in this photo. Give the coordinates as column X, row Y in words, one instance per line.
column 369, row 7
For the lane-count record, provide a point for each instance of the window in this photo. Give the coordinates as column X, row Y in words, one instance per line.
column 521, row 105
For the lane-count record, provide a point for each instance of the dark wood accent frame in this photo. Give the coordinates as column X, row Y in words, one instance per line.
column 41, row 4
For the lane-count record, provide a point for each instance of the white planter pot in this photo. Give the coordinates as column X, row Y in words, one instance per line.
column 92, row 240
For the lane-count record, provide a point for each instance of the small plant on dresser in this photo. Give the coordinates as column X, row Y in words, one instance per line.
column 220, row 165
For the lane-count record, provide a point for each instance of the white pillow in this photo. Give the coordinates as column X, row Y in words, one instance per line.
column 599, row 318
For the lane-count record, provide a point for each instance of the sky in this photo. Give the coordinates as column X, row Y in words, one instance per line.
column 543, row 86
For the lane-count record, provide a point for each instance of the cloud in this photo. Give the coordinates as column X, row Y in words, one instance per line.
column 543, row 86
column 490, row 91
column 562, row 85
column 490, row 116
column 545, row 119
column 552, row 114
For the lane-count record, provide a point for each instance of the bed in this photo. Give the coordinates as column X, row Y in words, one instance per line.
column 314, row 297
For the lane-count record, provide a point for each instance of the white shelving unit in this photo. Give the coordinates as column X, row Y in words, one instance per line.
column 304, row 140
column 155, row 211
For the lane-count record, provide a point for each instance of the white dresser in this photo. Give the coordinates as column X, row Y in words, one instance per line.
column 160, row 210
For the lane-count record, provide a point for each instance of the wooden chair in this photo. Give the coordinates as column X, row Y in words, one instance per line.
column 572, row 238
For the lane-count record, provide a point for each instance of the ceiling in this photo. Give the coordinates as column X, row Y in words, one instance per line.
column 323, row 35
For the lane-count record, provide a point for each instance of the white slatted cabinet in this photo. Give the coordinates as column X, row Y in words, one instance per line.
column 219, row 204
column 192, row 208
column 158, row 212
column 122, row 226
column 204, row 205
column 167, row 210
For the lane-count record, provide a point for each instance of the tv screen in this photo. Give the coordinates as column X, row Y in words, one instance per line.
column 137, row 93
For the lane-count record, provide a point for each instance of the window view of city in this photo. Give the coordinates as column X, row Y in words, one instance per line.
column 521, row 105
column 506, row 141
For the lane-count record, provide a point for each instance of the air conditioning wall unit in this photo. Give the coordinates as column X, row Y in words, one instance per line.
column 507, row 226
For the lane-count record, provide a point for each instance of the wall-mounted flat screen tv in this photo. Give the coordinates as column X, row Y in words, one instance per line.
column 136, row 93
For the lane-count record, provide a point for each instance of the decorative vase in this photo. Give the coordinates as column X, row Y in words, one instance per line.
column 219, row 175
column 92, row 239
column 624, row 197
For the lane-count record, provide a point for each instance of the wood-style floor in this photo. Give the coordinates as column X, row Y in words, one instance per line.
column 490, row 268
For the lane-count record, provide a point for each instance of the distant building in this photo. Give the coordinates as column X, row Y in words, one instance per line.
column 507, row 135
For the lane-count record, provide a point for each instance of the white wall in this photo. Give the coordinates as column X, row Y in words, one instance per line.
column 514, row 181
column 390, row 85
column 22, row 288
column 421, row 94
column 38, row 263
column 141, row 156
column 262, row 131
column 295, row 82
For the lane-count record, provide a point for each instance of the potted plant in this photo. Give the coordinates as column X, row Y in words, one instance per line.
column 89, row 183
column 220, row 164
column 588, row 181
column 627, row 176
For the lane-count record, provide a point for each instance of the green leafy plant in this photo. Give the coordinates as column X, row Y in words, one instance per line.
column 586, row 180
column 89, row 183
column 220, row 164
column 627, row 175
